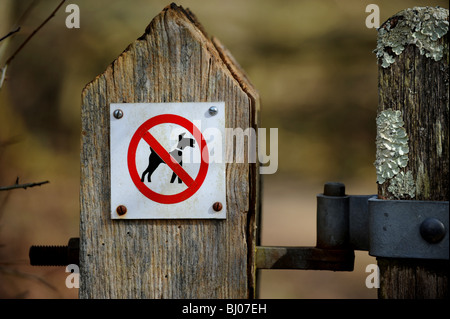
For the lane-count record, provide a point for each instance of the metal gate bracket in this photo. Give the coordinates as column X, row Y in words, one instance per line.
column 409, row 229
column 384, row 228
column 311, row 258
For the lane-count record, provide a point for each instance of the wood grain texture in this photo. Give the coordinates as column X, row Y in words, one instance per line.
column 173, row 61
column 418, row 87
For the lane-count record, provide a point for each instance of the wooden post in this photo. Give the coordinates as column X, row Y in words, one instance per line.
column 173, row 61
column 413, row 135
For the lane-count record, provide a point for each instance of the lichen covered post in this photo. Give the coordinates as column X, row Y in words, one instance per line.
column 412, row 145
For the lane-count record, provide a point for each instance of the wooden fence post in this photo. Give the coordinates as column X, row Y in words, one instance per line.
column 413, row 135
column 173, row 61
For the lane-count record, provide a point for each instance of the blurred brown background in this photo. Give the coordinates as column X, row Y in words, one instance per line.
column 311, row 61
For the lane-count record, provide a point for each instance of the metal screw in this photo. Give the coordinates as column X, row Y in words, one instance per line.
column 56, row 255
column 432, row 230
column 121, row 210
column 217, row 206
column 118, row 114
column 334, row 189
column 213, row 110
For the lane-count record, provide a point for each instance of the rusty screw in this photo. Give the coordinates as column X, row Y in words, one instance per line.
column 55, row 255
column 121, row 210
column 217, row 206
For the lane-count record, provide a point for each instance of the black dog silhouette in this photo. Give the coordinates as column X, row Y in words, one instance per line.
column 154, row 160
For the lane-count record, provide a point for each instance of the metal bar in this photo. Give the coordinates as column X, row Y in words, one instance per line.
column 359, row 221
column 311, row 258
column 409, row 229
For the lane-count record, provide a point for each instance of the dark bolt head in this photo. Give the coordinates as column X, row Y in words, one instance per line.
column 121, row 210
column 217, row 206
column 334, row 189
column 432, row 230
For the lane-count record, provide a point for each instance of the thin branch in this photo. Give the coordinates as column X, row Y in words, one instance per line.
column 14, row 272
column 33, row 33
column 27, row 12
column 24, row 186
column 2, row 208
column 3, row 75
column 10, row 33
column 9, row 141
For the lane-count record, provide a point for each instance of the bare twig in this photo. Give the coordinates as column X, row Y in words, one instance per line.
column 33, row 33
column 9, row 141
column 27, row 12
column 2, row 208
column 24, row 186
column 14, row 272
column 3, row 74
column 21, row 19
column 10, row 33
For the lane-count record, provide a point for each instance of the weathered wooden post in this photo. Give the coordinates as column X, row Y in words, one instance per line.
column 413, row 135
column 173, row 61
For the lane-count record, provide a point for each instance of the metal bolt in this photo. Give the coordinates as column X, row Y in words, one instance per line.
column 334, row 189
column 213, row 110
column 56, row 255
column 217, row 206
column 118, row 114
column 121, row 210
column 432, row 230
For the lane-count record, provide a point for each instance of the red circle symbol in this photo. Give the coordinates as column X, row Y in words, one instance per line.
column 192, row 184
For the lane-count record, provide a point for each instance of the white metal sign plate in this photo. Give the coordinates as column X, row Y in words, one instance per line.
column 167, row 161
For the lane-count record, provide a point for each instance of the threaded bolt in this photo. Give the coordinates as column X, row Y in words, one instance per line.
column 55, row 255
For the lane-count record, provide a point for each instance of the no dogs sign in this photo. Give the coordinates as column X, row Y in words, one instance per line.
column 167, row 161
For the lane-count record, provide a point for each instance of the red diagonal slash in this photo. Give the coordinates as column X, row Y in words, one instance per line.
column 142, row 133
column 168, row 159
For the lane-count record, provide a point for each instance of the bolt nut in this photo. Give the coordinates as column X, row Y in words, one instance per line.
column 118, row 114
column 217, row 206
column 213, row 110
column 121, row 210
column 432, row 230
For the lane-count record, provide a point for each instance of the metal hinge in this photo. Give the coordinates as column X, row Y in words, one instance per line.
column 384, row 228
